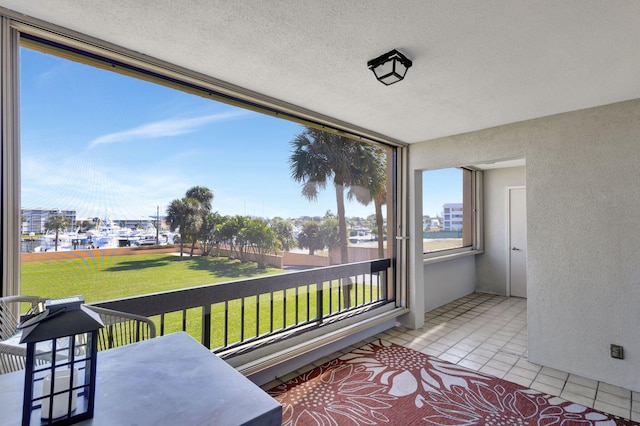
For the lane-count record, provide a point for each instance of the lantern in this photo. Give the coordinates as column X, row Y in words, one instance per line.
column 60, row 373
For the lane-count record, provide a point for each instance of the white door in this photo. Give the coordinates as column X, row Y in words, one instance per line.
column 517, row 239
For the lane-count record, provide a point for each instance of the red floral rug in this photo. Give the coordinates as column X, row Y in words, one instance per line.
column 386, row 384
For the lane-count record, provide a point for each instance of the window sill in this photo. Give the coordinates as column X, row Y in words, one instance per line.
column 451, row 256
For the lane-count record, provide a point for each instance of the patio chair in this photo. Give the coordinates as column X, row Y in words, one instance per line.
column 122, row 328
column 13, row 356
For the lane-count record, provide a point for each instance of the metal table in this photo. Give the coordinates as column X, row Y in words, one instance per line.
column 169, row 380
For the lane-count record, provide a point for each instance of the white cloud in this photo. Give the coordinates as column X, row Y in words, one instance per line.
column 165, row 128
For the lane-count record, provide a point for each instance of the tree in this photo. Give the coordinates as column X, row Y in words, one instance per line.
column 261, row 239
column 57, row 223
column 184, row 214
column 204, row 196
column 319, row 156
column 374, row 166
column 284, row 233
column 330, row 232
column 211, row 234
column 310, row 237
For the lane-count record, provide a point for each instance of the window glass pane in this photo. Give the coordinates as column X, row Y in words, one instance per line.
column 445, row 214
column 111, row 165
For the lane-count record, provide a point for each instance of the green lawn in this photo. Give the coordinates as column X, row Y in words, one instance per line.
column 110, row 277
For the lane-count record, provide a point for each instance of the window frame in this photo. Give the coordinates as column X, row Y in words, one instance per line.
column 472, row 228
column 18, row 30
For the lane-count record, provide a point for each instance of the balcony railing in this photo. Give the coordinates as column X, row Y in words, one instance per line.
column 234, row 316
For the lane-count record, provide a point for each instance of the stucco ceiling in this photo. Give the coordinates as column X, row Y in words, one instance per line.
column 477, row 64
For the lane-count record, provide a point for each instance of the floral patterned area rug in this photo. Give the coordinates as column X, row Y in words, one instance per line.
column 386, row 384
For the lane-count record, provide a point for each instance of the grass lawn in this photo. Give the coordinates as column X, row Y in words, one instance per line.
column 110, row 277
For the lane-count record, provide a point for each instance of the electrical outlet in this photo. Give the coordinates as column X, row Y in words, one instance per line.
column 617, row 352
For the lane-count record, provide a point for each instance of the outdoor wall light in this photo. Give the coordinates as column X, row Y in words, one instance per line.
column 390, row 68
column 60, row 370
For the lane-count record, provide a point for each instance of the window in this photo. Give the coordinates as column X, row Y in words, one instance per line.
column 450, row 211
column 108, row 154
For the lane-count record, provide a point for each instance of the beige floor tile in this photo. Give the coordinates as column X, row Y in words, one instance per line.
column 506, row 358
column 615, row 390
column 555, row 373
column 618, row 401
column 523, row 372
column 542, row 387
column 580, row 390
column 612, row 409
column 550, row 380
column 477, row 358
column 502, row 366
column 448, row 357
column 484, row 352
column 523, row 363
column 471, row 365
column 579, row 399
column 455, row 351
column 430, row 351
column 438, row 347
column 582, row 381
column 493, row 372
column 522, row 381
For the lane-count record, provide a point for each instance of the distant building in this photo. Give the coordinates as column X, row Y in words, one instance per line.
column 141, row 222
column 36, row 218
column 452, row 217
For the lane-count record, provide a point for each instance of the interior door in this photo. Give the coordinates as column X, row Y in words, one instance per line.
column 517, row 239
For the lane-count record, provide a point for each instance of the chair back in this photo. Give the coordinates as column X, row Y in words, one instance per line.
column 12, row 357
column 122, row 328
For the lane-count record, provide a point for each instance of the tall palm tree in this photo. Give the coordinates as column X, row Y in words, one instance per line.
column 184, row 214
column 57, row 223
column 319, row 156
column 204, row 196
column 374, row 166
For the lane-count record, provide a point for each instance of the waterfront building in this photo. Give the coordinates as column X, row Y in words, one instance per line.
column 34, row 219
column 452, row 217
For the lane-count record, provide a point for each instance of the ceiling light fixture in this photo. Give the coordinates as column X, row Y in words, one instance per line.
column 390, row 68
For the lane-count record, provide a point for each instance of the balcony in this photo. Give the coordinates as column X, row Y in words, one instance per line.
column 236, row 317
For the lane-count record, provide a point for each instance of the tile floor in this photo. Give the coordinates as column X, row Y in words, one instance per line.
column 488, row 333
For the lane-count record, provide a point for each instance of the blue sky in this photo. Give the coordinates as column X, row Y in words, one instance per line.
column 105, row 144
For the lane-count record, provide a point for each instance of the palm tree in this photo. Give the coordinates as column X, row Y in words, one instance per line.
column 184, row 214
column 204, row 196
column 374, row 165
column 310, row 237
column 319, row 156
column 284, row 233
column 57, row 223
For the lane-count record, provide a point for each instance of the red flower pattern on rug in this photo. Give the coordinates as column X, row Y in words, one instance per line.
column 382, row 383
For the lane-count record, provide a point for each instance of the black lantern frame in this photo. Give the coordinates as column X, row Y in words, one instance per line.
column 60, row 370
column 390, row 68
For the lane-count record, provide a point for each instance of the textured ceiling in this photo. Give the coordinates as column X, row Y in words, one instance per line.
column 477, row 64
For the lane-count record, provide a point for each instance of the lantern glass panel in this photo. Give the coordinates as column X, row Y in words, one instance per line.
column 62, row 380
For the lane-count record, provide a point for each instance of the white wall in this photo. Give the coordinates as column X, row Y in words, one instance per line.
column 447, row 281
column 492, row 264
column 583, row 227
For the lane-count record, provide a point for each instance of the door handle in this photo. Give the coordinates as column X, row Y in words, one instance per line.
column 515, row 249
